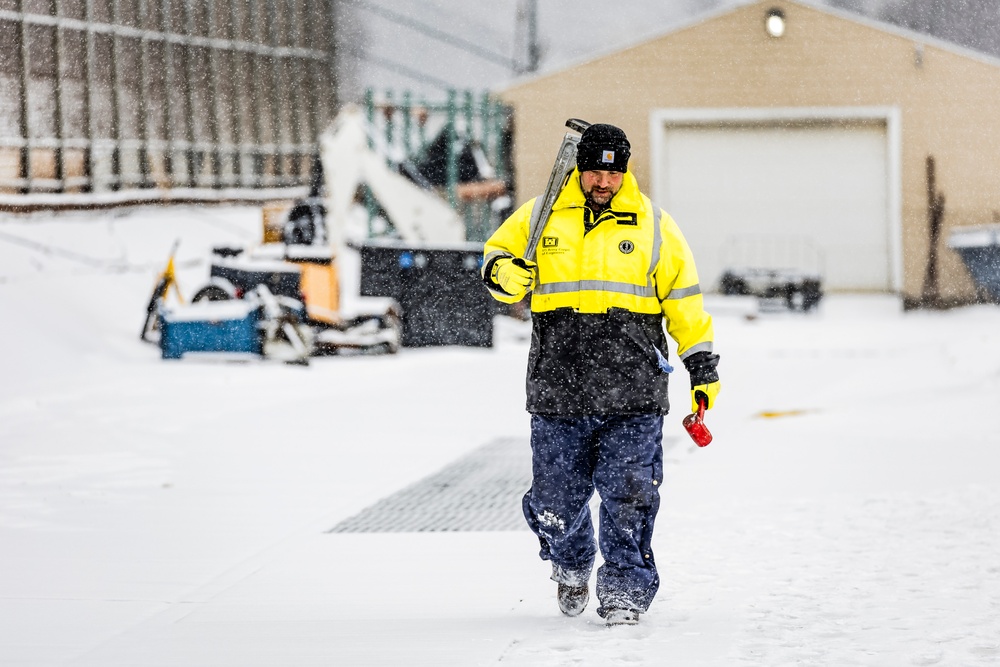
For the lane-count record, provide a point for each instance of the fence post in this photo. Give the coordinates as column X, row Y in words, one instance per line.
column 499, row 118
column 24, row 169
column 168, row 86
column 469, row 209
column 145, row 166
column 190, row 156
column 256, row 98
column 389, row 115
column 87, row 105
column 422, row 125
column 370, row 110
column 235, row 124
column 370, row 115
column 452, row 139
column 57, row 111
column 407, row 124
column 273, row 41
column 486, row 125
column 118, row 178
column 469, row 117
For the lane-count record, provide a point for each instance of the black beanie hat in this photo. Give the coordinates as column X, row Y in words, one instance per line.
column 604, row 148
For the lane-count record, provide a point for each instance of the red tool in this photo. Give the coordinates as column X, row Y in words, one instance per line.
column 694, row 424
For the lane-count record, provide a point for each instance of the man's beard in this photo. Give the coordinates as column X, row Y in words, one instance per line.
column 596, row 206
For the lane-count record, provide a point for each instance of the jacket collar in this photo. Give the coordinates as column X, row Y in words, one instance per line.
column 628, row 197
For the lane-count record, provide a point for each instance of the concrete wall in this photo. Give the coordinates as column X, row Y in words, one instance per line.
column 122, row 94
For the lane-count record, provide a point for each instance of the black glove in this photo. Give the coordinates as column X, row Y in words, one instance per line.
column 701, row 366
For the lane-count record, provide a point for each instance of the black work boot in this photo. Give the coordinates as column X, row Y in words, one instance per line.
column 573, row 599
column 617, row 616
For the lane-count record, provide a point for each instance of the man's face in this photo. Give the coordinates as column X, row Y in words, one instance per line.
column 600, row 186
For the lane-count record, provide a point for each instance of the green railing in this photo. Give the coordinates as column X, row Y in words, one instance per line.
column 433, row 136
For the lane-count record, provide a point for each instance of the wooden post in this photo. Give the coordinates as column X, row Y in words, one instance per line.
column 930, row 295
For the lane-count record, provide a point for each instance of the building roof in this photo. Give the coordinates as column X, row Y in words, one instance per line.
column 738, row 5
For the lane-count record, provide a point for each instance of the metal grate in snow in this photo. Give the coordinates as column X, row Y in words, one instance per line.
column 480, row 492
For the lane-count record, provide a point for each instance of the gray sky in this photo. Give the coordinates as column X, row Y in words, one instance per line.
column 383, row 46
column 404, row 45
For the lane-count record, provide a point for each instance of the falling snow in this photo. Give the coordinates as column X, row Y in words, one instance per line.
column 165, row 513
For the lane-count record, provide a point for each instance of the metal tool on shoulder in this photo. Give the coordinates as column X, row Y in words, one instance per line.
column 561, row 169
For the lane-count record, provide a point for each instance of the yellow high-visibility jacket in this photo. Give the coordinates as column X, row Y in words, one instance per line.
column 600, row 302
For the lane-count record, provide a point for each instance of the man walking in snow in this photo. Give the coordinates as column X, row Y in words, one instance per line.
column 611, row 269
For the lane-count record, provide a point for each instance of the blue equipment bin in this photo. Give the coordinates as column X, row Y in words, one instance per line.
column 979, row 248
column 213, row 326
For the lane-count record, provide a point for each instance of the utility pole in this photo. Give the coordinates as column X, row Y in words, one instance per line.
column 534, row 51
column 526, row 37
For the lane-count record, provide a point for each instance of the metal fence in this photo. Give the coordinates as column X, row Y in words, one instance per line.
column 461, row 146
column 110, row 95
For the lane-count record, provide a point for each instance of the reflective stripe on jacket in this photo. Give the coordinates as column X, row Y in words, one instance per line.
column 600, row 301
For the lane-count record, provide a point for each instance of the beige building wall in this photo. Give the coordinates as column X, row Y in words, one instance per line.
column 949, row 102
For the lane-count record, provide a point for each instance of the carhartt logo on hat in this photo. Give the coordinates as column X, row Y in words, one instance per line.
column 603, row 147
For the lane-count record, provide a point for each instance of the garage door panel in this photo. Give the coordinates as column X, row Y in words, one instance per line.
column 825, row 184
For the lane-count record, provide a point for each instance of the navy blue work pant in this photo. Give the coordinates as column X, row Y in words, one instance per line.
column 622, row 458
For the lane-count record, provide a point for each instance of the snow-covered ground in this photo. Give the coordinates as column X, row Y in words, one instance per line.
column 177, row 513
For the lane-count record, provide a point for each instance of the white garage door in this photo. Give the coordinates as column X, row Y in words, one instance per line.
column 809, row 197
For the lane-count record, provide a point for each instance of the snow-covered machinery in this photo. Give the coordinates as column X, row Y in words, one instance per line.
column 427, row 266
column 782, row 288
column 781, row 271
column 428, row 270
column 417, row 214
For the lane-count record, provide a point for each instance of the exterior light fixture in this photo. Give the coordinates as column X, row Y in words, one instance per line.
column 775, row 22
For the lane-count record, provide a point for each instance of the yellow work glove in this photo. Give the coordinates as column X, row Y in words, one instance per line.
column 515, row 276
column 707, row 393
